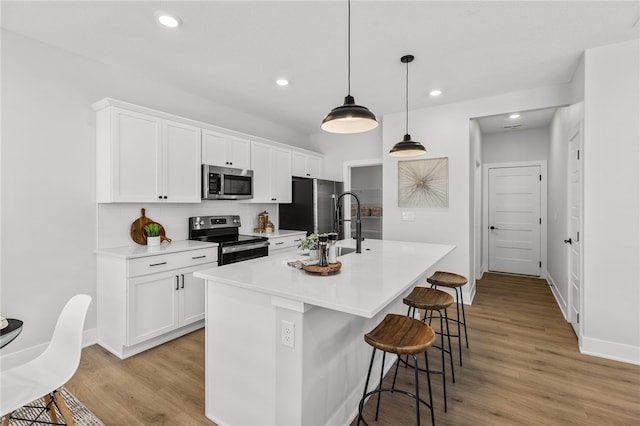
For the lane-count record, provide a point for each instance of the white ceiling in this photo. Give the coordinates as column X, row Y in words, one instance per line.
column 531, row 119
column 232, row 51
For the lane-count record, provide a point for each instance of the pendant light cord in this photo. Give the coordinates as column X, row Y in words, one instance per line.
column 349, row 48
column 407, row 102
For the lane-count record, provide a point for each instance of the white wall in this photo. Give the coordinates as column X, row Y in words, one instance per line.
column 444, row 131
column 340, row 148
column 611, row 241
column 49, row 214
column 515, row 145
column 557, row 207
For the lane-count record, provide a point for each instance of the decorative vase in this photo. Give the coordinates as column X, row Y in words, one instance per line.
column 153, row 241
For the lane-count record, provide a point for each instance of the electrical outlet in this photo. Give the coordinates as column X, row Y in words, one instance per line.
column 288, row 333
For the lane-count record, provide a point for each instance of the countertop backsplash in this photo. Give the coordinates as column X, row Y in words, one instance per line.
column 114, row 220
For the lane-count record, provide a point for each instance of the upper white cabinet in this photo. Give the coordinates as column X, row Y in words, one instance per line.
column 304, row 165
column 271, row 173
column 144, row 158
column 219, row 149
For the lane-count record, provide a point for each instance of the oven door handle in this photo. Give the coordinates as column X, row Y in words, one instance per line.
column 245, row 247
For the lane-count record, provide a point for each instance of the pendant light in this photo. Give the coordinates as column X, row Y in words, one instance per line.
column 349, row 118
column 407, row 147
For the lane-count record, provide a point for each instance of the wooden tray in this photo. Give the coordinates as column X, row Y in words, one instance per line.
column 323, row 270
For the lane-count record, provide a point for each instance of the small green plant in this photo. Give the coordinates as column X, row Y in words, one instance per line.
column 152, row 229
column 309, row 243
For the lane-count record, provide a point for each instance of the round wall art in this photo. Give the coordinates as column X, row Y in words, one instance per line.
column 423, row 183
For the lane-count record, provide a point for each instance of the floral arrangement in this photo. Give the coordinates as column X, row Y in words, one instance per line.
column 152, row 229
column 309, row 243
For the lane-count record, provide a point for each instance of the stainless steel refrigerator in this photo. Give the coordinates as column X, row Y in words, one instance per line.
column 313, row 206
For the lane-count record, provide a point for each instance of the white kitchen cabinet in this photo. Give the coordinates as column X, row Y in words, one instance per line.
column 219, row 149
column 145, row 301
column 271, row 173
column 145, row 158
column 287, row 241
column 305, row 165
column 160, row 303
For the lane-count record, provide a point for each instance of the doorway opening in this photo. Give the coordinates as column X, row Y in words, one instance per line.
column 364, row 178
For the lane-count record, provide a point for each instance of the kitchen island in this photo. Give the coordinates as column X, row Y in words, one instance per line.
column 285, row 347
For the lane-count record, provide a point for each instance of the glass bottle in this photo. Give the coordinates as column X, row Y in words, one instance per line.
column 331, row 257
column 322, row 250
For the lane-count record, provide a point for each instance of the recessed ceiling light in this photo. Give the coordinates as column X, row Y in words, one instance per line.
column 168, row 20
column 282, row 82
column 514, row 116
column 436, row 92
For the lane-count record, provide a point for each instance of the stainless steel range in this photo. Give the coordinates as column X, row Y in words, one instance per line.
column 232, row 247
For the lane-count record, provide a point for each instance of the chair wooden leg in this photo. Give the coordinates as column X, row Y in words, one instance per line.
column 5, row 421
column 64, row 410
column 51, row 408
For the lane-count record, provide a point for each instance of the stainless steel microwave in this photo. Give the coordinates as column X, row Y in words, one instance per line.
column 226, row 183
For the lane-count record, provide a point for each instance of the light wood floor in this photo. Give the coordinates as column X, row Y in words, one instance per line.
column 522, row 368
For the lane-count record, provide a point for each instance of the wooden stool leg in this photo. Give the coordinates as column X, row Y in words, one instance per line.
column 51, row 408
column 64, row 410
column 5, row 421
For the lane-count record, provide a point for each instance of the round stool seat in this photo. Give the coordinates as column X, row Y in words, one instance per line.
column 447, row 279
column 428, row 298
column 401, row 335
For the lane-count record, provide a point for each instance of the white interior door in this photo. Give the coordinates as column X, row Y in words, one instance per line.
column 514, row 220
column 575, row 207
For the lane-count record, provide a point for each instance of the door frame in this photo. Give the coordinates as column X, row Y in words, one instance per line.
column 543, row 210
column 576, row 127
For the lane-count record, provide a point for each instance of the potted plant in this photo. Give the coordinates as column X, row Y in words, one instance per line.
column 310, row 244
column 152, row 230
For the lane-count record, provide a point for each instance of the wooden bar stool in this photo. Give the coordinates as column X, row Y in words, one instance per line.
column 400, row 335
column 431, row 299
column 454, row 281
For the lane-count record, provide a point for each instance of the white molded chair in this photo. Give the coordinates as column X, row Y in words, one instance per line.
column 44, row 375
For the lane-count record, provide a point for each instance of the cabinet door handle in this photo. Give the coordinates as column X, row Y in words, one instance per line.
column 157, row 264
column 280, row 243
column 198, row 257
column 177, row 282
column 182, row 275
column 298, row 240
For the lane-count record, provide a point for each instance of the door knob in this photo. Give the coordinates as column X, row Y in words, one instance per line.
column 492, row 227
column 568, row 241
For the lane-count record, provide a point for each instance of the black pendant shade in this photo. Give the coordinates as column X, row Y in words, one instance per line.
column 407, row 147
column 349, row 117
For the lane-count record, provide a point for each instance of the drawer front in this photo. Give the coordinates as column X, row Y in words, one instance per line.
column 281, row 243
column 167, row 262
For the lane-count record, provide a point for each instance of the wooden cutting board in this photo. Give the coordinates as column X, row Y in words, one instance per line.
column 137, row 229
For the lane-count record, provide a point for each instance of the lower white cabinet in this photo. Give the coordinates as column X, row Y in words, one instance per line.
column 149, row 300
column 160, row 303
column 282, row 242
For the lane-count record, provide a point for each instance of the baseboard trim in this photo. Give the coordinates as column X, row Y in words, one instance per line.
column 610, row 350
column 559, row 299
column 14, row 359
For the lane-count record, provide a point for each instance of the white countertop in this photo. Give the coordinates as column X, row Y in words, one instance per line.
column 274, row 234
column 366, row 283
column 136, row 251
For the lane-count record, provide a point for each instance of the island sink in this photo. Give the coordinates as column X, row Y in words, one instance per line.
column 341, row 251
